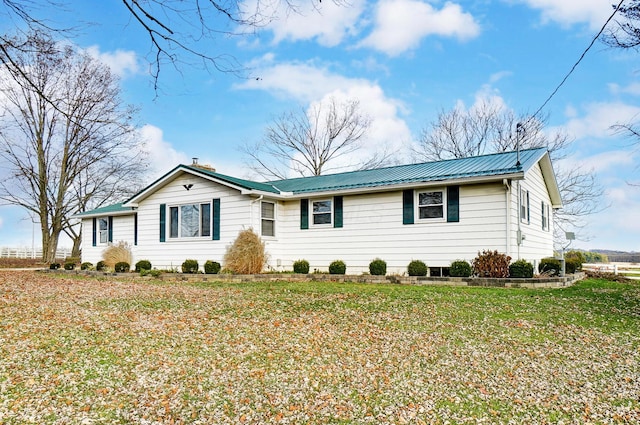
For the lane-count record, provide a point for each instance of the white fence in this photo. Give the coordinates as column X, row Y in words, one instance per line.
column 630, row 270
column 33, row 253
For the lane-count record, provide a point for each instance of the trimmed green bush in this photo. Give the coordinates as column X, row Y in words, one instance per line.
column 54, row 266
column 521, row 268
column 143, row 265
column 301, row 266
column 549, row 266
column 86, row 266
column 101, row 266
column 378, row 267
column 211, row 267
column 491, row 264
column 460, row 268
column 337, row 267
column 572, row 265
column 417, row 268
column 190, row 266
column 69, row 265
column 122, row 267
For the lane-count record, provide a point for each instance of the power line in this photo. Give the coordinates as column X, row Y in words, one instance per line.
column 575, row 65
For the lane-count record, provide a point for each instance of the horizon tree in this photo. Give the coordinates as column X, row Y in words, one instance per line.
column 67, row 140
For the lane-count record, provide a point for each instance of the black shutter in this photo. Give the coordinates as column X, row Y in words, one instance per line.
column 163, row 222
column 135, row 229
column 304, row 213
column 407, row 206
column 216, row 219
column 95, row 231
column 337, row 211
column 453, row 204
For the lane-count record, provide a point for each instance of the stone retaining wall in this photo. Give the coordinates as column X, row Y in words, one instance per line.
column 541, row 282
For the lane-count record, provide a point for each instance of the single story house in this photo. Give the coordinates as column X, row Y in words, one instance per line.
column 436, row 212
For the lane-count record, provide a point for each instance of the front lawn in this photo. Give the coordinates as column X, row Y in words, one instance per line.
column 85, row 350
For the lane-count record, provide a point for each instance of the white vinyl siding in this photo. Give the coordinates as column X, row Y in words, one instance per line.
column 123, row 231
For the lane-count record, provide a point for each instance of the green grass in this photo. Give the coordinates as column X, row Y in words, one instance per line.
column 116, row 351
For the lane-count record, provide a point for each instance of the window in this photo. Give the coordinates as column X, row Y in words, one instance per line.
column 321, row 212
column 430, row 205
column 268, row 216
column 190, row 221
column 546, row 218
column 103, row 228
column 524, row 206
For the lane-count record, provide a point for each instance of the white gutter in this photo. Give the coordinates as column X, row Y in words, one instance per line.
column 259, row 198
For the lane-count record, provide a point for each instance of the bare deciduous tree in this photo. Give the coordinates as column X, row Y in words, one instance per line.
column 625, row 31
column 490, row 128
column 67, row 141
column 179, row 32
column 308, row 142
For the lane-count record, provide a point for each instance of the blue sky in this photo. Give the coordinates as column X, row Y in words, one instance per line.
column 405, row 60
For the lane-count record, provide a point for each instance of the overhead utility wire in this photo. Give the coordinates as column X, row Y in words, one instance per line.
column 575, row 65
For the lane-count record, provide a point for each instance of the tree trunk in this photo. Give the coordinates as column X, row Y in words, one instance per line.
column 75, row 251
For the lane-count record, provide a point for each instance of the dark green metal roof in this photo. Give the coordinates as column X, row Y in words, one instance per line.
column 245, row 184
column 109, row 209
column 479, row 166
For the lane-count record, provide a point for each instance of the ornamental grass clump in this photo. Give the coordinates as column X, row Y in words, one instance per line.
column 247, row 254
column 491, row 264
column 378, row 267
column 113, row 254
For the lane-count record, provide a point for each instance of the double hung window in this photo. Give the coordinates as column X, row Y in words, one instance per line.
column 190, row 221
column 322, row 212
column 431, row 205
column 524, row 206
column 103, row 228
column 268, row 218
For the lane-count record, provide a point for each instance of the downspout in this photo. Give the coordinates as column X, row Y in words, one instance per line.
column 507, row 195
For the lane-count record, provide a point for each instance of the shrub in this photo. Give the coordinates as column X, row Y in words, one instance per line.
column 491, row 264
column 337, row 267
column 86, row 266
column 190, row 266
column 460, row 268
column 143, row 265
column 521, row 268
column 122, row 267
column 417, row 268
column 211, row 267
column 120, row 253
column 74, row 260
column 572, row 265
column 301, row 266
column 69, row 265
column 549, row 265
column 378, row 267
column 54, row 266
column 246, row 255
column 101, row 266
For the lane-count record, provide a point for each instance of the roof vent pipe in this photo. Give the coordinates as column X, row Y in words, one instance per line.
column 195, row 161
column 519, row 133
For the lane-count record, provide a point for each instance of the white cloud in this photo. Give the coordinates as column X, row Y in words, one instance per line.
column 633, row 89
column 307, row 83
column 122, row 62
column 162, row 155
column 569, row 12
column 328, row 23
column 605, row 161
column 598, row 118
column 400, row 25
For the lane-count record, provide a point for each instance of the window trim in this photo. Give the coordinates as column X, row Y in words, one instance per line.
column 272, row 219
column 524, row 210
column 178, row 209
column 546, row 217
column 313, row 213
column 443, row 204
